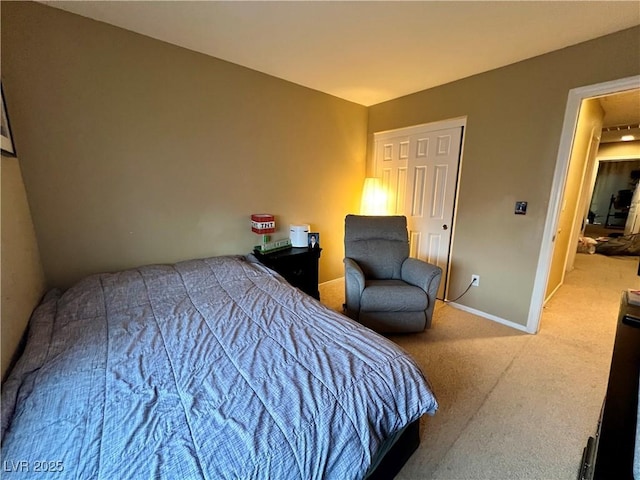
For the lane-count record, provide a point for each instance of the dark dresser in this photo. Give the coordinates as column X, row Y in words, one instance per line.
column 299, row 267
column 609, row 454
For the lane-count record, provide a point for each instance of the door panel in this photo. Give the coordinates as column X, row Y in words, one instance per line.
column 392, row 160
column 419, row 190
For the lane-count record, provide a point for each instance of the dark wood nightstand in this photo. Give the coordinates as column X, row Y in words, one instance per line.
column 299, row 267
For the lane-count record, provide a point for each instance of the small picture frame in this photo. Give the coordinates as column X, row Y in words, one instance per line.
column 521, row 208
column 313, row 240
column 6, row 139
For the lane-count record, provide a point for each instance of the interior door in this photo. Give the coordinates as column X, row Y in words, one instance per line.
column 419, row 169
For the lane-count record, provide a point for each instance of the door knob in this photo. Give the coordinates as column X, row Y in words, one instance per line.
column 444, row 227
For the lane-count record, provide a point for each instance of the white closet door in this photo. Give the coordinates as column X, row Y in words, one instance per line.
column 419, row 170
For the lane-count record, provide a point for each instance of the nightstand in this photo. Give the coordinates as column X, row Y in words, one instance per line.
column 299, row 267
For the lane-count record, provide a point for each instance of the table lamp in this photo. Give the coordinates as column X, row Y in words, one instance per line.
column 374, row 199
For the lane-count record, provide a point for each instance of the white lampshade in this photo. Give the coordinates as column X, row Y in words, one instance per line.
column 374, row 198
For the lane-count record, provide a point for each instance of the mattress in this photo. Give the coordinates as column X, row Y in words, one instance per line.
column 212, row 368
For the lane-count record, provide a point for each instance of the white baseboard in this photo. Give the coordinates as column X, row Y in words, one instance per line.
column 551, row 294
column 488, row 316
column 479, row 313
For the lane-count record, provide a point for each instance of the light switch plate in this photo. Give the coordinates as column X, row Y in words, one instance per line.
column 521, row 208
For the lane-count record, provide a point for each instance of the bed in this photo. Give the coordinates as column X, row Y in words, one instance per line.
column 211, row 368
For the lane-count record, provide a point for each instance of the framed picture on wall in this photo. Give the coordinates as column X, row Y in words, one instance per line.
column 6, row 139
column 313, row 239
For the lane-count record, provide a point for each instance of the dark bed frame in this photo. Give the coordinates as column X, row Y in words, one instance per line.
column 398, row 454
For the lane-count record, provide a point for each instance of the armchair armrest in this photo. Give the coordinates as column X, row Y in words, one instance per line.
column 354, row 285
column 426, row 276
column 423, row 275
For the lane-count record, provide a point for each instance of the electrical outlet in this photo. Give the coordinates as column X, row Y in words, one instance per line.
column 475, row 280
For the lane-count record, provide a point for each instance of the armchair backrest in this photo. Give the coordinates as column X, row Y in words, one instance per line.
column 379, row 245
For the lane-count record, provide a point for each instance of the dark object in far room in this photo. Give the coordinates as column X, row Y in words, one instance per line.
column 619, row 206
column 624, row 245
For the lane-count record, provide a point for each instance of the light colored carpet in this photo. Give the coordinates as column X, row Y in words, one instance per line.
column 514, row 405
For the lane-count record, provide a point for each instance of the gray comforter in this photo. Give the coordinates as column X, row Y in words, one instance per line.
column 212, row 368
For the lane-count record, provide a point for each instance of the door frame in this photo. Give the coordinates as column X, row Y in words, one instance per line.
column 457, row 122
column 582, row 207
column 572, row 111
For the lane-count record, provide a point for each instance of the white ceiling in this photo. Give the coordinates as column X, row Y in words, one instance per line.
column 621, row 115
column 367, row 51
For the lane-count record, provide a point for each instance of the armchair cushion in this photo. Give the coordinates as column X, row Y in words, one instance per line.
column 392, row 296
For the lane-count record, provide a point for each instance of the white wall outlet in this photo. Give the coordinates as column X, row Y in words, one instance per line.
column 475, row 280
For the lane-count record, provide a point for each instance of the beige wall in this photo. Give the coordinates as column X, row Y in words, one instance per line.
column 589, row 126
column 515, row 117
column 22, row 276
column 135, row 151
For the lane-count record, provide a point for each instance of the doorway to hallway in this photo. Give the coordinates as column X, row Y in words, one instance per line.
column 559, row 203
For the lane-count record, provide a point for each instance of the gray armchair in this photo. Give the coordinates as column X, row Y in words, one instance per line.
column 385, row 289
